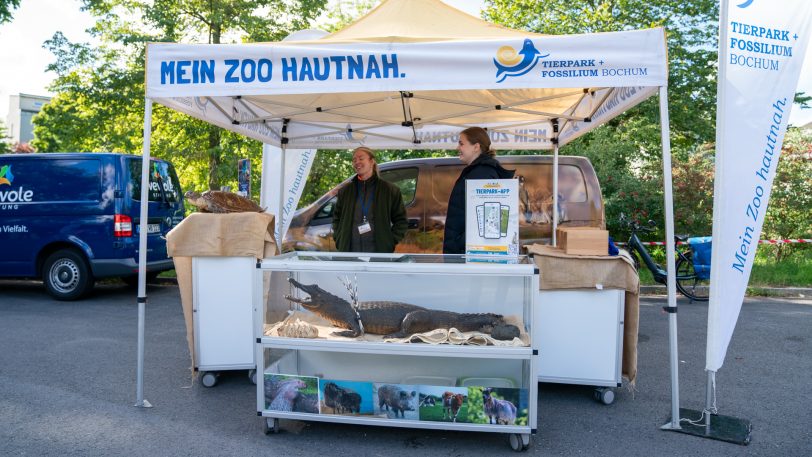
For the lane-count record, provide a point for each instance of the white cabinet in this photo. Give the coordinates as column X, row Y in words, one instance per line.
column 580, row 336
column 223, row 313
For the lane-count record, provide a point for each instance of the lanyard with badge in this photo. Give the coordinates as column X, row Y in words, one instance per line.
column 365, row 203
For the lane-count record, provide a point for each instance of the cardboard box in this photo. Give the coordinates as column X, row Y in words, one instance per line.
column 583, row 240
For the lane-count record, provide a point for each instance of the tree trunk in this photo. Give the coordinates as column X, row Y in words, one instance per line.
column 214, row 156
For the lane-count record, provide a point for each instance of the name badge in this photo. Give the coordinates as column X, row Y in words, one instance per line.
column 364, row 228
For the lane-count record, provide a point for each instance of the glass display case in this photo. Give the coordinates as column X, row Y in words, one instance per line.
column 406, row 340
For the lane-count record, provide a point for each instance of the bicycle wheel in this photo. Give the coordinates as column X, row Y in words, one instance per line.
column 688, row 283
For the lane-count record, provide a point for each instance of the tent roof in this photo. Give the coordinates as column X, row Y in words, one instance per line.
column 412, row 74
column 420, row 20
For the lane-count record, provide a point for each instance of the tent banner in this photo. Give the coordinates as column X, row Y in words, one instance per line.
column 605, row 103
column 762, row 46
column 297, row 168
column 631, row 58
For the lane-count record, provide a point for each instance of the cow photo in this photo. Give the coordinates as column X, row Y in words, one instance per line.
column 396, row 401
column 349, row 398
column 443, row 404
column 298, row 394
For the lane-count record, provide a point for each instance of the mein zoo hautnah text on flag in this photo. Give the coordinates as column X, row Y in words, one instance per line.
column 761, row 49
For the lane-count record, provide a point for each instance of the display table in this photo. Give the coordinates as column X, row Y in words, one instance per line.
column 374, row 379
column 215, row 256
column 587, row 315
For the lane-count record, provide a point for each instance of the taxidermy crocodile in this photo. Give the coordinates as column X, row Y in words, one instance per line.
column 395, row 319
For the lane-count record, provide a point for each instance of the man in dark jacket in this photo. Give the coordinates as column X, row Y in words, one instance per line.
column 475, row 150
column 369, row 215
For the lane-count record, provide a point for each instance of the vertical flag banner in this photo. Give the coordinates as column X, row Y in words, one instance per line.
column 761, row 49
column 297, row 167
column 244, row 177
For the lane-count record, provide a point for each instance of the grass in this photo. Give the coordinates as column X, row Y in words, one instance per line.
column 794, row 270
column 435, row 413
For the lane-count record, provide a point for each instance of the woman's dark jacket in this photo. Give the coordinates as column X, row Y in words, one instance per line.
column 388, row 215
column 483, row 167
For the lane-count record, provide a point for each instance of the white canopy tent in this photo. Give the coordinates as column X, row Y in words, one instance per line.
column 412, row 74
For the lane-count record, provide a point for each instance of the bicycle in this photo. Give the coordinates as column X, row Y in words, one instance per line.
column 693, row 286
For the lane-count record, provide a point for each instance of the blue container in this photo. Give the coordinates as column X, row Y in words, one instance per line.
column 701, row 247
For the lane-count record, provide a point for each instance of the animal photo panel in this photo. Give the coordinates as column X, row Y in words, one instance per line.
column 348, row 398
column 299, row 394
column 396, row 401
column 497, row 406
column 443, row 404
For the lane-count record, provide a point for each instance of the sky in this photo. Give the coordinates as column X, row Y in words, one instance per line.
column 23, row 60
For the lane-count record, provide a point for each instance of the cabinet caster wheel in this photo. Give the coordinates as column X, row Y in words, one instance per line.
column 270, row 425
column 252, row 375
column 209, row 379
column 604, row 395
column 519, row 442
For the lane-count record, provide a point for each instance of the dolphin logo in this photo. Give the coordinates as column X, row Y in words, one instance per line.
column 511, row 63
column 745, row 4
column 5, row 175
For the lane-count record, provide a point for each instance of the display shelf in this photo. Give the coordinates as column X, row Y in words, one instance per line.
column 398, row 263
column 299, row 371
column 379, row 421
column 421, row 349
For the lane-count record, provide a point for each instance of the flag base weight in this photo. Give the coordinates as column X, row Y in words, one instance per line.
column 723, row 428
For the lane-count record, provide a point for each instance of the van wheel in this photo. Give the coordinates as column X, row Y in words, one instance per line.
column 66, row 275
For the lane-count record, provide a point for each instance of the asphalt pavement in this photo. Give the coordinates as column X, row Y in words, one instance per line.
column 67, row 387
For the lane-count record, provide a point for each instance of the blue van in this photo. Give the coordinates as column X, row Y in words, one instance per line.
column 72, row 218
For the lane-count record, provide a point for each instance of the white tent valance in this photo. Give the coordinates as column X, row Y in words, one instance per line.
column 415, row 91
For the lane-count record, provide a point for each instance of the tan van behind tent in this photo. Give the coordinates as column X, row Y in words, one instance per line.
column 426, row 185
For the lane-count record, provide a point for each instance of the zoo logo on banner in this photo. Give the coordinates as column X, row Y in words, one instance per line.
column 509, row 62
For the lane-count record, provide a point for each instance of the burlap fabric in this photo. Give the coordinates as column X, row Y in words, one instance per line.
column 215, row 235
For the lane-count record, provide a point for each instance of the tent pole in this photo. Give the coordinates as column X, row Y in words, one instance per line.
column 140, row 401
column 710, row 393
column 665, row 130
column 280, row 223
column 555, row 179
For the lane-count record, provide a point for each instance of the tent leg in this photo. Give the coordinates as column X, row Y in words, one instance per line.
column 140, row 401
column 669, row 255
column 279, row 219
column 710, row 393
column 555, row 191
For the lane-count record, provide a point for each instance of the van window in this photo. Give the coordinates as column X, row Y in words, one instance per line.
column 571, row 184
column 405, row 179
column 56, row 180
column 162, row 172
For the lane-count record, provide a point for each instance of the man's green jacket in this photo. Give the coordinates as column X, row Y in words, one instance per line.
column 388, row 215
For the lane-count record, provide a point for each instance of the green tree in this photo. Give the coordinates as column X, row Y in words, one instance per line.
column 6, row 8
column 4, row 144
column 789, row 214
column 100, row 90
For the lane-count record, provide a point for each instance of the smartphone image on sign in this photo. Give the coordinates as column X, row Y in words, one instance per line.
column 493, row 216
column 503, row 226
column 480, row 219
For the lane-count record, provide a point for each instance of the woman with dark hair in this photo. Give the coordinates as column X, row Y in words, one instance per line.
column 474, row 148
column 369, row 215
